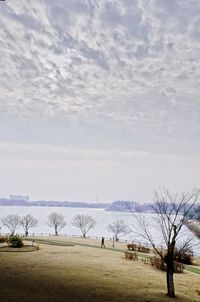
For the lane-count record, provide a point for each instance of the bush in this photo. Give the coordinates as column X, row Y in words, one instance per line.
column 143, row 249
column 184, row 257
column 158, row 263
column 161, row 265
column 131, row 256
column 15, row 241
column 3, row 239
column 138, row 248
column 132, row 246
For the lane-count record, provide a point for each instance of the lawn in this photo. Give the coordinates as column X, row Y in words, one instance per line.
column 84, row 273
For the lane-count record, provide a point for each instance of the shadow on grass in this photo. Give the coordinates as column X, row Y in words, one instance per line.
column 24, row 249
column 38, row 288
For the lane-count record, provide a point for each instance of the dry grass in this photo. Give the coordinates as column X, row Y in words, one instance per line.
column 79, row 273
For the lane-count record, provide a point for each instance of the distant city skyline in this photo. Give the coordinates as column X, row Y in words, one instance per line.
column 99, row 97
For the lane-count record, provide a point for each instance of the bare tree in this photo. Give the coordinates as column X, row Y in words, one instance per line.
column 172, row 212
column 12, row 222
column 84, row 223
column 28, row 222
column 56, row 221
column 118, row 228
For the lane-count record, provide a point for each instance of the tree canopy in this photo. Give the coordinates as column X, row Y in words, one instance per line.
column 56, row 221
column 12, row 222
column 118, row 228
column 84, row 223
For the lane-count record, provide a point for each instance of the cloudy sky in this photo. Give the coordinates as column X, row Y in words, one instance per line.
column 99, row 97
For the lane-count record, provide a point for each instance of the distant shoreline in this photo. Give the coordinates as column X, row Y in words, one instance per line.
column 67, row 204
column 88, row 206
column 115, row 206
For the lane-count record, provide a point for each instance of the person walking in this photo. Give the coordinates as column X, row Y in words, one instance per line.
column 102, row 242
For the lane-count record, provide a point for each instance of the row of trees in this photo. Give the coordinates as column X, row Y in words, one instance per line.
column 57, row 222
column 13, row 222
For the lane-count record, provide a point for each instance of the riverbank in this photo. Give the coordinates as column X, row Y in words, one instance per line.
column 81, row 272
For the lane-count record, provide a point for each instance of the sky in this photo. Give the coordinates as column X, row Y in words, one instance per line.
column 99, row 99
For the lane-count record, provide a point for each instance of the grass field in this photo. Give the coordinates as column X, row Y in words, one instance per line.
column 84, row 273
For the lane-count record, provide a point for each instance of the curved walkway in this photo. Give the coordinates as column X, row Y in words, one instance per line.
column 191, row 268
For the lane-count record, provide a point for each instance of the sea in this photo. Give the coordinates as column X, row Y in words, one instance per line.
column 102, row 217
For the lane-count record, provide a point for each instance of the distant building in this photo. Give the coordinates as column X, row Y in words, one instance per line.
column 19, row 197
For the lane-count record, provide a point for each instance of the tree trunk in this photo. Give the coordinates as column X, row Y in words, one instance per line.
column 170, row 272
column 56, row 232
column 170, row 283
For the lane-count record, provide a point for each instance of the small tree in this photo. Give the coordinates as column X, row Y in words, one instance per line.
column 12, row 222
column 28, row 222
column 172, row 212
column 56, row 221
column 84, row 223
column 15, row 241
column 118, row 228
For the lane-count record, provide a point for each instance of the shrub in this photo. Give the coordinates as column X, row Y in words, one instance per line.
column 178, row 267
column 132, row 246
column 138, row 248
column 161, row 265
column 184, row 257
column 15, row 241
column 131, row 256
column 143, row 249
column 158, row 263
column 3, row 239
